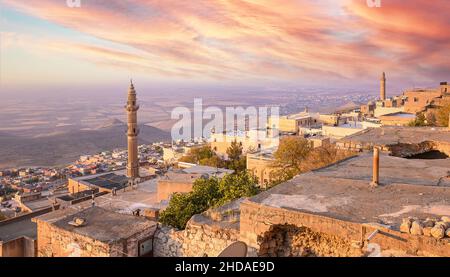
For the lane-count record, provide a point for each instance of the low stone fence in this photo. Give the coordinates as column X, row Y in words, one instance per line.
column 196, row 240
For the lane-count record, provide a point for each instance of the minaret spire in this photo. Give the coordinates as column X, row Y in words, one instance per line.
column 132, row 133
column 383, row 87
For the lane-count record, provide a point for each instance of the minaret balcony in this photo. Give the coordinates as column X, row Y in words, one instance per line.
column 131, row 108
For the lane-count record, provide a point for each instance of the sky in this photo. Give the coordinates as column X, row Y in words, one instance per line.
column 307, row 43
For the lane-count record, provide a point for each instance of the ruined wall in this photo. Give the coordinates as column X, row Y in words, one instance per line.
column 293, row 241
column 258, row 221
column 399, row 149
column 406, row 150
column 196, row 240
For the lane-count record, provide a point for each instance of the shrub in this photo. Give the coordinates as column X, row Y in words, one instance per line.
column 207, row 193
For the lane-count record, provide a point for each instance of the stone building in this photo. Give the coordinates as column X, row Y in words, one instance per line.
column 18, row 235
column 411, row 101
column 261, row 165
column 397, row 119
column 291, row 124
column 93, row 232
column 335, row 212
column 252, row 140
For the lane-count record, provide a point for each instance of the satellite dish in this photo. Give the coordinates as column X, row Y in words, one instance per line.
column 237, row 249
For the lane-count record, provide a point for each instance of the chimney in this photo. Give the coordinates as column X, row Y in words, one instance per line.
column 376, row 167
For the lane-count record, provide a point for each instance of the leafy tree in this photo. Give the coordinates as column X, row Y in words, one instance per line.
column 291, row 152
column 214, row 161
column 236, row 160
column 419, row 121
column 306, row 159
column 207, row 193
column 234, row 152
column 442, row 115
column 235, row 186
column 197, row 154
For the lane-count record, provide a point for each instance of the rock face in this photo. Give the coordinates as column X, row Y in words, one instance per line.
column 427, row 231
column 416, row 228
column 444, row 224
column 406, row 225
column 428, row 223
column 438, row 231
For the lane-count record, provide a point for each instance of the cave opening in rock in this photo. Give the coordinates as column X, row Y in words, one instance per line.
column 429, row 155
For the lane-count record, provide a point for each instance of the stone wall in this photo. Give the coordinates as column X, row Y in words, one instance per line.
column 257, row 225
column 293, row 241
column 399, row 149
column 206, row 234
column 196, row 240
column 57, row 242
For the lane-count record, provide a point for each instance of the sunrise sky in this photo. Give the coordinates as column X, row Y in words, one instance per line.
column 300, row 42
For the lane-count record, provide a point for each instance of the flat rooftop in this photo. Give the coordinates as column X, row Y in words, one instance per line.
column 127, row 200
column 391, row 135
column 418, row 188
column 108, row 181
column 22, row 226
column 16, row 229
column 102, row 224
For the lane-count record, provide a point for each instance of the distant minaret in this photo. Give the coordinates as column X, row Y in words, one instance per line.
column 132, row 133
column 383, row 87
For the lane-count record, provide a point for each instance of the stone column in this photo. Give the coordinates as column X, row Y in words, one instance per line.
column 376, row 167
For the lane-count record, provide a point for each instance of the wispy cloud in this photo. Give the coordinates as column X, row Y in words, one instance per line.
column 279, row 39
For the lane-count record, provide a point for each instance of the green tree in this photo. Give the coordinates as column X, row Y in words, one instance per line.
column 235, row 186
column 420, row 121
column 198, row 154
column 291, row 152
column 288, row 164
column 234, row 152
column 207, row 193
column 236, row 160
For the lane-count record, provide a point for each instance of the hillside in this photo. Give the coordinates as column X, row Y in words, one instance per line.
column 62, row 148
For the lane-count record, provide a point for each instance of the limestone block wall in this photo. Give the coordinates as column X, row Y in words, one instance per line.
column 55, row 242
column 258, row 222
column 196, row 240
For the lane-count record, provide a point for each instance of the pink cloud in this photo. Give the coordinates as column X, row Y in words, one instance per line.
column 288, row 39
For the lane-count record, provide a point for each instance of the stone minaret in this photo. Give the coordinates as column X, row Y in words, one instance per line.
column 132, row 133
column 383, row 87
